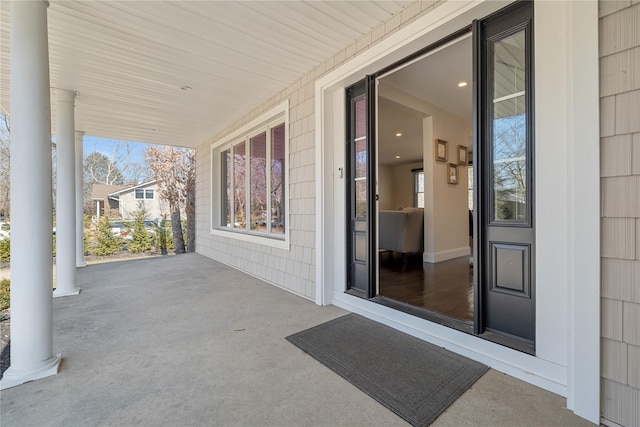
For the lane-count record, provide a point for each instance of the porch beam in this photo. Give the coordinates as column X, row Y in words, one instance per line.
column 32, row 355
column 65, row 195
column 79, row 202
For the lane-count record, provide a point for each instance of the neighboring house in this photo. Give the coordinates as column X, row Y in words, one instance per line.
column 124, row 200
column 103, row 204
column 145, row 195
column 546, row 95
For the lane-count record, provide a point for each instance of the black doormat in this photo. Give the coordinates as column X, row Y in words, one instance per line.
column 411, row 377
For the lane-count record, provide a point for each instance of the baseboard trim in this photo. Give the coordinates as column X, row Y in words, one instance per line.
column 435, row 257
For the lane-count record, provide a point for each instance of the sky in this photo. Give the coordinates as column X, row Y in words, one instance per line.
column 106, row 146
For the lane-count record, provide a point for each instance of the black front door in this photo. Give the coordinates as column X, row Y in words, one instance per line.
column 360, row 190
column 505, row 171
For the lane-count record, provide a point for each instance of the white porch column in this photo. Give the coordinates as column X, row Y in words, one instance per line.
column 79, row 202
column 32, row 355
column 65, row 195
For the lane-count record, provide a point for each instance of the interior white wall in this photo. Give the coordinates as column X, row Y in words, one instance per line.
column 403, row 177
column 451, row 212
column 428, row 160
column 557, row 210
column 386, row 186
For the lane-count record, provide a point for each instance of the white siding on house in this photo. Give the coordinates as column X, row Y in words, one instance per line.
column 155, row 207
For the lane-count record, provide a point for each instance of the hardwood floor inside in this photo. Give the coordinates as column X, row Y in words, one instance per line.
column 445, row 288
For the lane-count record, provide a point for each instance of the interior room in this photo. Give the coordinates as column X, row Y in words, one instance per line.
column 425, row 185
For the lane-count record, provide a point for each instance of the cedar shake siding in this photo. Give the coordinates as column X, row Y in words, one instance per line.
column 620, row 180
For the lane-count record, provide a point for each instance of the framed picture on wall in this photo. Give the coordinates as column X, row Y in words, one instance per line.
column 441, row 150
column 452, row 173
column 463, row 155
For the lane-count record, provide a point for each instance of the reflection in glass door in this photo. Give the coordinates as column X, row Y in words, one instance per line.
column 359, row 195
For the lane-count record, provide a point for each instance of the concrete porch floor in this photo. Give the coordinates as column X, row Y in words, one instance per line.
column 187, row 341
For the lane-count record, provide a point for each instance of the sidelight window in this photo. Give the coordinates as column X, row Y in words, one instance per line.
column 509, row 128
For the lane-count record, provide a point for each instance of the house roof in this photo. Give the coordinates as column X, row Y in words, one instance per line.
column 102, row 191
column 130, row 188
column 177, row 72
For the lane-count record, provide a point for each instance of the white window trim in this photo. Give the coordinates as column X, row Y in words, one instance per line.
column 144, row 194
column 572, row 367
column 274, row 116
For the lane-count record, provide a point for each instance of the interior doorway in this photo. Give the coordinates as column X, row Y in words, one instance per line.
column 425, row 207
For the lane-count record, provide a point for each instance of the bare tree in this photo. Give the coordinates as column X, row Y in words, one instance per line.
column 189, row 191
column 174, row 172
column 5, row 166
column 136, row 173
column 5, row 157
column 98, row 169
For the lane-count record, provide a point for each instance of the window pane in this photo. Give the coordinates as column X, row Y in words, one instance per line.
column 148, row 194
column 360, row 197
column 419, row 189
column 509, row 139
column 361, row 118
column 360, row 154
column 360, row 158
column 239, row 196
column 258, row 180
column 277, row 179
column 139, row 193
column 227, row 191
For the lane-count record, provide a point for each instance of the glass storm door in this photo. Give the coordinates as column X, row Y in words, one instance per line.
column 359, row 191
column 506, row 172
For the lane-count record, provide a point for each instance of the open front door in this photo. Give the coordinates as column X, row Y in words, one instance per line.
column 506, row 175
column 360, row 177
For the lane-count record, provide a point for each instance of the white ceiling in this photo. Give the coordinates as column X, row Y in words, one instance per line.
column 129, row 59
column 433, row 79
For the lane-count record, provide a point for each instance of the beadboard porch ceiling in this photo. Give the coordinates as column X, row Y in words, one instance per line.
column 130, row 60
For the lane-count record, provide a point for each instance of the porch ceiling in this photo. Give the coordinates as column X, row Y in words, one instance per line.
column 129, row 59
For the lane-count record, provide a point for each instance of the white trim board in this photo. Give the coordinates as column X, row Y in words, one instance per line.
column 435, row 257
column 549, row 375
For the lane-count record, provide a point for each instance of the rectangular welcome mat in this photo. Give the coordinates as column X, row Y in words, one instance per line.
column 415, row 379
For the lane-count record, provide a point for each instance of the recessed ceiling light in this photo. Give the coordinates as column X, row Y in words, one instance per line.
column 399, row 134
column 186, row 88
column 462, row 84
column 397, row 157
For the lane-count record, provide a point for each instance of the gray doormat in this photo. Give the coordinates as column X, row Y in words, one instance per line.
column 411, row 377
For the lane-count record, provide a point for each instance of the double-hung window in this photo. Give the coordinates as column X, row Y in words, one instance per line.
column 253, row 182
column 141, row 194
